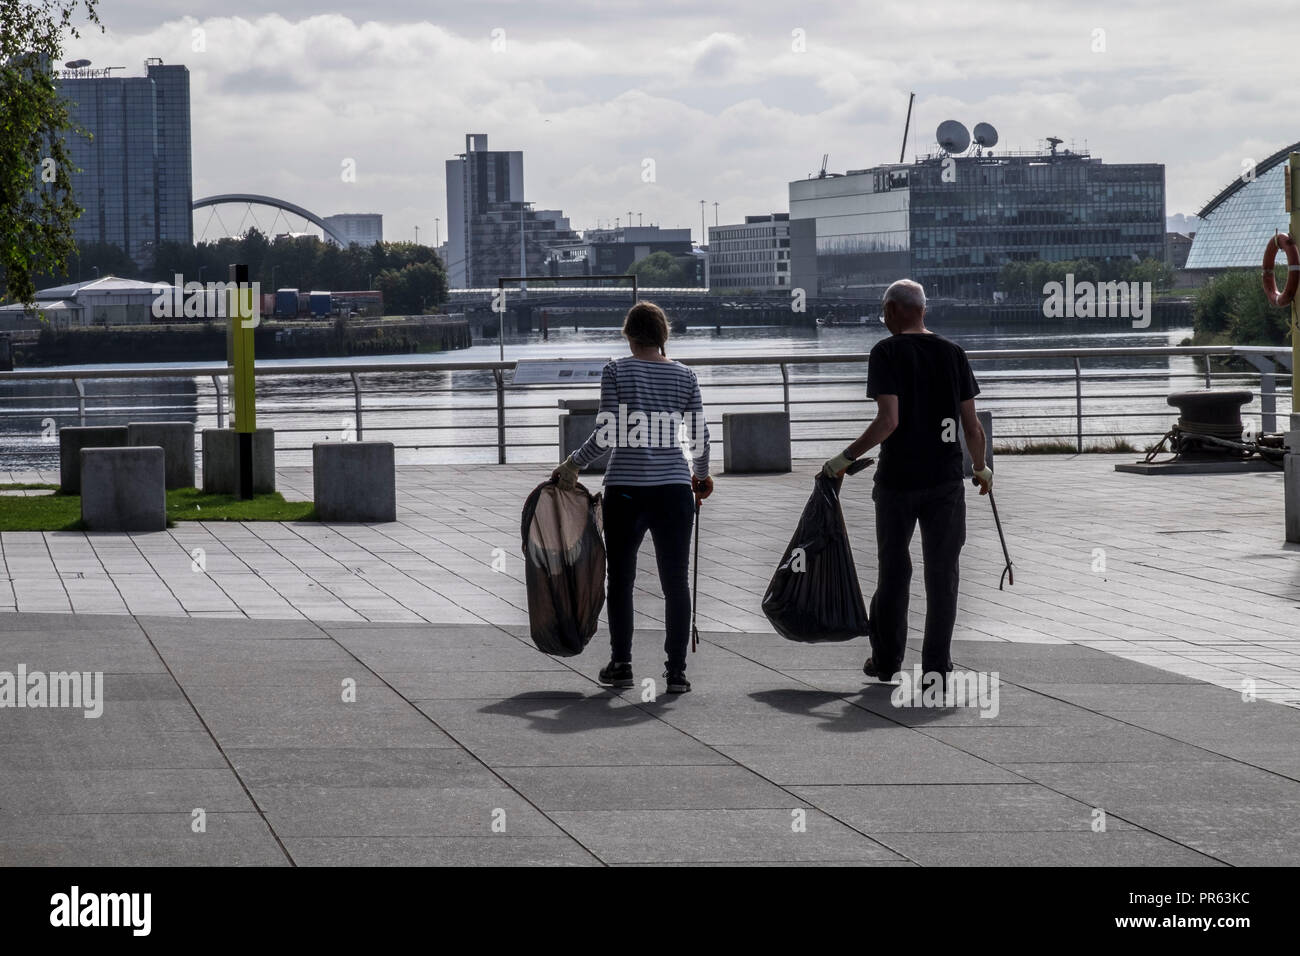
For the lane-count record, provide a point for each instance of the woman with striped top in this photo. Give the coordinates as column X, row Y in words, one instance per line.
column 647, row 404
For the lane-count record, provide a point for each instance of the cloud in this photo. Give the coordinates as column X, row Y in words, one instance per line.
column 721, row 95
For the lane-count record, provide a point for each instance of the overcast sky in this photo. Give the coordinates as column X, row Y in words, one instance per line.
column 730, row 99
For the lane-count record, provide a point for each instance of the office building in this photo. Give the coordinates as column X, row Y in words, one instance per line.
column 491, row 231
column 135, row 182
column 952, row 221
column 1240, row 220
column 754, row 254
column 362, row 228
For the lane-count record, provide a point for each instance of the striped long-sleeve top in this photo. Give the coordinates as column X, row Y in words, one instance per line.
column 651, row 417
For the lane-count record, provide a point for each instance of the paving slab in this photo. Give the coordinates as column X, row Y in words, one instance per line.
column 401, row 811
column 498, row 850
column 489, row 685
column 645, row 788
column 722, row 836
column 138, row 839
column 579, row 731
column 1111, row 743
column 1133, row 848
column 357, row 767
column 949, row 808
column 884, row 756
column 119, row 790
column 152, row 750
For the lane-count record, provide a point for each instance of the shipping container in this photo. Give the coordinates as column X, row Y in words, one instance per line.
column 320, row 304
column 286, row 303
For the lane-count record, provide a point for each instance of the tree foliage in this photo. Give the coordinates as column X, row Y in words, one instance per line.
column 413, row 289
column 306, row 263
column 1232, row 307
column 1027, row 279
column 662, row 270
column 37, row 208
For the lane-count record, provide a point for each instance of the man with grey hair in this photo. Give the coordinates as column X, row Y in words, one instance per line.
column 923, row 385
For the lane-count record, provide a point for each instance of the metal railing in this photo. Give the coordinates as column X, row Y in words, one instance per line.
column 484, row 410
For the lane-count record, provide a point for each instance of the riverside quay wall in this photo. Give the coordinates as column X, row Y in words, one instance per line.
column 206, row 341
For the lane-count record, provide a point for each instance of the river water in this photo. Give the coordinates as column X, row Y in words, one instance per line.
column 829, row 406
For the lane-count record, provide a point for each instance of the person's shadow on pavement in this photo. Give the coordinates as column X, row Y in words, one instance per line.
column 878, row 698
column 833, row 712
column 570, row 713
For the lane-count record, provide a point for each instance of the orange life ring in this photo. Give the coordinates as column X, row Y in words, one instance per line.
column 1284, row 243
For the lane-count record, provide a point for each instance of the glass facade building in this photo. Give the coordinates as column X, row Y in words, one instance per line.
column 952, row 223
column 134, row 178
column 362, row 228
column 1239, row 222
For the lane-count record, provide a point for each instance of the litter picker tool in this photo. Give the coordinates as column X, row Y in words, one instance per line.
column 695, row 588
column 1007, row 573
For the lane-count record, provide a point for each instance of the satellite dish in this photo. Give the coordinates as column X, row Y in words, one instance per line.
column 952, row 136
column 76, row 64
column 986, row 135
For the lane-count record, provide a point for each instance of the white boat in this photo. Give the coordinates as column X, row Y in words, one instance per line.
column 828, row 321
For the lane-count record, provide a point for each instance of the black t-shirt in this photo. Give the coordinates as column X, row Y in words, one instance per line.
column 931, row 377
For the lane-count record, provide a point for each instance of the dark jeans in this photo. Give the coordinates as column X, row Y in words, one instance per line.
column 941, row 512
column 668, row 513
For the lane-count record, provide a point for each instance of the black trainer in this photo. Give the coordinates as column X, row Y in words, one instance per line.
column 615, row 674
column 871, row 670
column 677, row 682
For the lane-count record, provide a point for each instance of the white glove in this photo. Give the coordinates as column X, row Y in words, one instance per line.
column 984, row 478
column 834, row 466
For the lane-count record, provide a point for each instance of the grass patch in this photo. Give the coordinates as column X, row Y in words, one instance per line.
column 1112, row 446
column 191, row 504
column 39, row 512
column 63, row 512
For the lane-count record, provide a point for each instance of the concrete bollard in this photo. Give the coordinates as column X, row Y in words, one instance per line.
column 124, row 489
column 176, row 439
column 354, row 481
column 755, row 442
column 967, row 466
column 576, row 427
column 74, row 438
column 221, row 461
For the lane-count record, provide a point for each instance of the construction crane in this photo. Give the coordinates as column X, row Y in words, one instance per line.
column 906, row 127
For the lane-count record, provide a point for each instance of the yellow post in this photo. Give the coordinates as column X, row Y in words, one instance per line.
column 242, row 321
column 243, row 317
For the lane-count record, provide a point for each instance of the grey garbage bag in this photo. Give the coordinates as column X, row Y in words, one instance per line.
column 564, row 567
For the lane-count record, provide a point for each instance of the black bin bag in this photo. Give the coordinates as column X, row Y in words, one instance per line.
column 814, row 595
column 564, row 567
